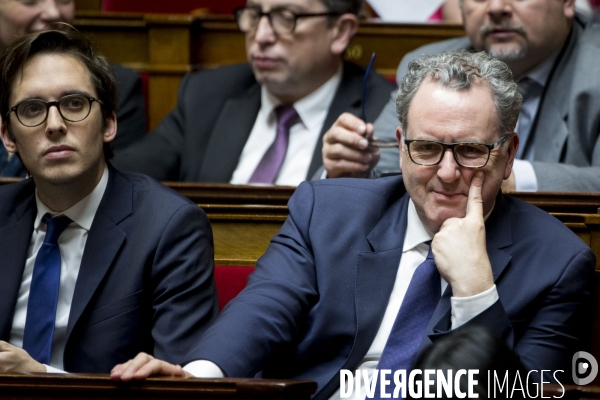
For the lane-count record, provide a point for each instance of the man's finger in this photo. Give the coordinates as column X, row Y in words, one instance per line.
column 475, row 202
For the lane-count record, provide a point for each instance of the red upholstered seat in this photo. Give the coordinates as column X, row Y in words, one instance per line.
column 172, row 7
column 230, row 281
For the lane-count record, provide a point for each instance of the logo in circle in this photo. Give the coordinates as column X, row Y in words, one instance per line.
column 583, row 363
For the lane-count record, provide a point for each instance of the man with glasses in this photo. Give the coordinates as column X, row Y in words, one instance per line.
column 365, row 273
column 262, row 122
column 96, row 265
column 552, row 53
column 20, row 17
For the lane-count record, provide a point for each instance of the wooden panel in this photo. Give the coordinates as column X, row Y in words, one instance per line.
column 100, row 387
column 91, row 5
column 162, row 95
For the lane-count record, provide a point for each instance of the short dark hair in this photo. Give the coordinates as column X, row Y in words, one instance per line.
column 344, row 6
column 68, row 42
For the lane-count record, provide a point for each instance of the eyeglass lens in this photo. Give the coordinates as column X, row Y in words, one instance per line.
column 282, row 21
column 467, row 154
column 73, row 108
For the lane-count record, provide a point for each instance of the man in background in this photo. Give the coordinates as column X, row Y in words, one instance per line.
column 553, row 55
column 96, row 265
column 262, row 122
column 20, row 17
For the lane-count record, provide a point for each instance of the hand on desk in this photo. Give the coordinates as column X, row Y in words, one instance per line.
column 143, row 366
column 459, row 247
column 346, row 150
column 15, row 359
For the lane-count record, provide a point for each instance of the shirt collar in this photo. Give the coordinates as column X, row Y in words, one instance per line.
column 311, row 109
column 541, row 73
column 82, row 212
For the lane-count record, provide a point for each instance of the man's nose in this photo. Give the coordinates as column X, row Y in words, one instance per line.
column 499, row 9
column 448, row 169
column 264, row 31
column 50, row 11
column 55, row 123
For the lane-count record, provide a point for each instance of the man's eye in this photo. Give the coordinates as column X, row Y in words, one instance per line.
column 31, row 109
column 74, row 104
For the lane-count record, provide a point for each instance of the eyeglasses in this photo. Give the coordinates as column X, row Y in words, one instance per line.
column 73, row 108
column 282, row 20
column 466, row 154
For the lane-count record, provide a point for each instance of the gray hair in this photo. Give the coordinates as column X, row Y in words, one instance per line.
column 459, row 70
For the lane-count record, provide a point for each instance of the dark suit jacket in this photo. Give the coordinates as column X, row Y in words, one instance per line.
column 203, row 137
column 146, row 276
column 566, row 131
column 317, row 297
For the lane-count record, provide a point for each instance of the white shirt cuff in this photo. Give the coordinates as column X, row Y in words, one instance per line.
column 525, row 179
column 204, row 369
column 465, row 309
column 323, row 174
column 52, row 370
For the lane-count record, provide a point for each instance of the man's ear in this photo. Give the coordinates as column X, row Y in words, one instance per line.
column 569, row 8
column 400, row 143
column 9, row 143
column 513, row 146
column 110, row 130
column 344, row 29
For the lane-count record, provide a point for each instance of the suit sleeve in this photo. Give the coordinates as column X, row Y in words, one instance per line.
column 158, row 154
column 184, row 299
column 548, row 339
column 268, row 313
column 131, row 108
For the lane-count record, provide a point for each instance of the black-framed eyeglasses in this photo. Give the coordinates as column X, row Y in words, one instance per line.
column 73, row 108
column 282, row 20
column 466, row 154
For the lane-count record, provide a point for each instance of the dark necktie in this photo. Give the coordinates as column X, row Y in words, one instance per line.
column 268, row 168
column 529, row 89
column 420, row 301
column 43, row 293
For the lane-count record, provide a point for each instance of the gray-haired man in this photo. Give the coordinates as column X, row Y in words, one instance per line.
column 342, row 279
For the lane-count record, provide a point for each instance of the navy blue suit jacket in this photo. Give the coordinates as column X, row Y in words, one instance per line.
column 318, row 295
column 146, row 276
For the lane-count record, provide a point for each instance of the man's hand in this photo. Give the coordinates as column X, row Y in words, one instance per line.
column 15, row 359
column 459, row 248
column 346, row 151
column 510, row 184
column 143, row 366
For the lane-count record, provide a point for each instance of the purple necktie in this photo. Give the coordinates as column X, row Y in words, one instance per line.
column 268, row 168
column 420, row 301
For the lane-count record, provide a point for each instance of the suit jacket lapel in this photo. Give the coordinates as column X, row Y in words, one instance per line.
column 15, row 237
column 375, row 276
column 231, row 131
column 347, row 99
column 104, row 240
column 551, row 128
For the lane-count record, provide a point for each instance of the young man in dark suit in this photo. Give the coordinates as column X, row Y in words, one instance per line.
column 225, row 125
column 96, row 265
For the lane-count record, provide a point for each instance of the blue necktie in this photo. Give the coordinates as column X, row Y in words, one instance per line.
column 43, row 293
column 420, row 301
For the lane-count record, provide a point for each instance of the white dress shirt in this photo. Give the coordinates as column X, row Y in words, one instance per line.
column 525, row 179
column 304, row 135
column 71, row 244
column 414, row 253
